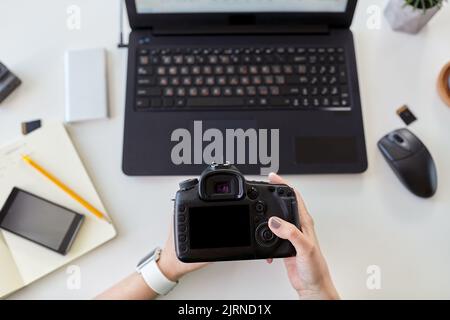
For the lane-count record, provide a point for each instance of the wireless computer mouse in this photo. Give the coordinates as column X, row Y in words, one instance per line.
column 411, row 162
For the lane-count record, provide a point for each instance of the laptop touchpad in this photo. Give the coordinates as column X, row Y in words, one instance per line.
column 330, row 150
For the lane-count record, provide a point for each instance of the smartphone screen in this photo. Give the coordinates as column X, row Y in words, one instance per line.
column 40, row 221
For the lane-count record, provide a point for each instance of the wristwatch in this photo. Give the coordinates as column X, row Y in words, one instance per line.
column 153, row 277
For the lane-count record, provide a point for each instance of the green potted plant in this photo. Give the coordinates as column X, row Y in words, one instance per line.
column 411, row 15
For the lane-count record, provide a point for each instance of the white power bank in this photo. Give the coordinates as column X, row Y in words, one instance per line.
column 86, row 85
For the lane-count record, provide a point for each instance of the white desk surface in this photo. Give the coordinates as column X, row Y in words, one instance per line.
column 362, row 220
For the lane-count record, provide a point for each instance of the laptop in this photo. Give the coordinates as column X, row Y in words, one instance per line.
column 267, row 85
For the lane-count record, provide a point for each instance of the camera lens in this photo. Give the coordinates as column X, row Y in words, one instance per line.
column 222, row 187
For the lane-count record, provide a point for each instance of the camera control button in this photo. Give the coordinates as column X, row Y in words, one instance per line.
column 267, row 235
column 181, row 218
column 252, row 193
column 181, row 208
column 280, row 191
column 260, row 207
column 182, row 227
column 264, row 236
column 188, row 184
column 182, row 237
column 289, row 193
column 183, row 248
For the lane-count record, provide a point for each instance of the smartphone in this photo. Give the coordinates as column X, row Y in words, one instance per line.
column 40, row 221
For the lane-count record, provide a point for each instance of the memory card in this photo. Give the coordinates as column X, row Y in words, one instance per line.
column 28, row 127
column 406, row 115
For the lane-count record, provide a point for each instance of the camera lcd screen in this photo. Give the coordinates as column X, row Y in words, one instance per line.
column 219, row 227
column 40, row 221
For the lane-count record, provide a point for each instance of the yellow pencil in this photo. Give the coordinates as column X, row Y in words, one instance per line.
column 65, row 188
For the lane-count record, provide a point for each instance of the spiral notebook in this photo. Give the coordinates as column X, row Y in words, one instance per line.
column 21, row 261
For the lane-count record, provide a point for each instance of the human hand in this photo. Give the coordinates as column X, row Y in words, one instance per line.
column 171, row 266
column 307, row 271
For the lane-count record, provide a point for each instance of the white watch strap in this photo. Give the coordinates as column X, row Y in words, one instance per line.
column 155, row 279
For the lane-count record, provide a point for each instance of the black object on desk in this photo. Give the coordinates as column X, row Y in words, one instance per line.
column 40, row 221
column 406, row 115
column 222, row 217
column 411, row 161
column 291, row 71
column 8, row 82
column 30, row 126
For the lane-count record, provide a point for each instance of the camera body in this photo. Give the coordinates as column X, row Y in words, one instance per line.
column 221, row 217
column 8, row 82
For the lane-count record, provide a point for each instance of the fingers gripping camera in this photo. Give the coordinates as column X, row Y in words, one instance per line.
column 221, row 216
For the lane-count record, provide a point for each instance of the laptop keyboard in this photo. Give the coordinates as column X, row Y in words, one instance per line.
column 242, row 78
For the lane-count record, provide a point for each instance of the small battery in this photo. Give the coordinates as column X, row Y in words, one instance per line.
column 406, row 115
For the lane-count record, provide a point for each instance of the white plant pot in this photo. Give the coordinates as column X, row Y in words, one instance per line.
column 405, row 18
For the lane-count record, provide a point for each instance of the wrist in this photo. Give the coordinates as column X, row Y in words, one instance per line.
column 168, row 268
column 325, row 291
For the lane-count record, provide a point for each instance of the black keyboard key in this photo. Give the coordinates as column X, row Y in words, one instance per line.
column 335, row 102
column 334, row 91
column 142, row 103
column 146, row 81
column 212, row 102
column 156, row 103
column 305, row 102
column 193, row 92
column 205, row 92
column 274, row 91
column 298, row 80
column 344, row 92
column 154, row 91
column 169, row 92
column 240, row 91
column 263, row 91
column 289, row 90
column 251, row 102
column 144, row 60
column 142, row 92
column 180, row 102
column 167, row 103
column 316, row 102
column 345, row 102
column 263, row 102
column 299, row 59
column 145, row 71
column 227, row 91
column 280, row 102
column 251, row 91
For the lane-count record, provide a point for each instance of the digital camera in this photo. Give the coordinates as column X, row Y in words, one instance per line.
column 221, row 216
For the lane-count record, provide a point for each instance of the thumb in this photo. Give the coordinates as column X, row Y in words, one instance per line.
column 288, row 231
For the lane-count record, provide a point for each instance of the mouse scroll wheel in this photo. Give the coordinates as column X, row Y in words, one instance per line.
column 398, row 138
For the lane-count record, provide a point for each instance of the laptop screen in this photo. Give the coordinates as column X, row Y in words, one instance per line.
column 237, row 6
